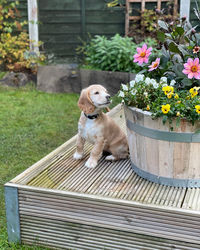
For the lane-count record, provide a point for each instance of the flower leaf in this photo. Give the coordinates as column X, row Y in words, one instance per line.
column 177, row 59
column 177, row 68
column 190, row 30
column 165, row 52
column 163, row 25
column 183, row 51
column 197, row 37
column 161, row 36
column 174, row 48
column 186, row 82
column 180, row 30
column 164, row 119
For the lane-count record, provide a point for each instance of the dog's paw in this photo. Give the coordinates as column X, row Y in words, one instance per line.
column 91, row 163
column 110, row 158
column 77, row 156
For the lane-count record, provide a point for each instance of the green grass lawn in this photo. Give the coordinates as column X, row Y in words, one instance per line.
column 32, row 124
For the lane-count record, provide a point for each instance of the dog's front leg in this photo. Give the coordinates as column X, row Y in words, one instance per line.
column 79, row 148
column 95, row 153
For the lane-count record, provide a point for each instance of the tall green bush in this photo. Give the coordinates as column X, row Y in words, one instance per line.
column 114, row 54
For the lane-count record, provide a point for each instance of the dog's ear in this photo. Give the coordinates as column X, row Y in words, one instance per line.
column 85, row 103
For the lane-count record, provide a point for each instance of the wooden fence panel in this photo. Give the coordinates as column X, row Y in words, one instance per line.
column 65, row 22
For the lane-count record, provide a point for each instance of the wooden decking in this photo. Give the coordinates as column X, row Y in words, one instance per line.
column 111, row 197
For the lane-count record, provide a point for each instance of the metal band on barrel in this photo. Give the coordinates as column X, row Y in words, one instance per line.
column 163, row 135
column 189, row 183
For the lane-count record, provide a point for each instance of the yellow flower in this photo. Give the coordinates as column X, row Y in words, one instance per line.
column 176, row 96
column 169, row 95
column 197, row 107
column 179, row 102
column 193, row 95
column 196, row 88
column 168, row 89
column 178, row 113
column 194, row 91
column 148, row 107
column 165, row 108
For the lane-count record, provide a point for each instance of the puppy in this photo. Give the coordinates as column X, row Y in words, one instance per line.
column 98, row 128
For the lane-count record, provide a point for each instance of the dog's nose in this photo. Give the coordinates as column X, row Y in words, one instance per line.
column 108, row 97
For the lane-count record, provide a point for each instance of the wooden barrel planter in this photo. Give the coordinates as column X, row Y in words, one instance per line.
column 160, row 155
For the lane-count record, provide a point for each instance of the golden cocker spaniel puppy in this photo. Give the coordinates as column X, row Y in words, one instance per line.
column 98, row 128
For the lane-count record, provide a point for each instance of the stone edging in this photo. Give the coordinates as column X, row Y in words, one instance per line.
column 68, row 78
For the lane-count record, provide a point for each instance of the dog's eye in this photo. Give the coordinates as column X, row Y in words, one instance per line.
column 96, row 93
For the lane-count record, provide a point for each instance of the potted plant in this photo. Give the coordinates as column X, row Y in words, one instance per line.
column 162, row 108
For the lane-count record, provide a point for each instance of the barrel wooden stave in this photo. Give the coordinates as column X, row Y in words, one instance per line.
column 178, row 160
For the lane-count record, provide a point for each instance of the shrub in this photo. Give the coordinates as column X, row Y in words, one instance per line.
column 14, row 42
column 114, row 54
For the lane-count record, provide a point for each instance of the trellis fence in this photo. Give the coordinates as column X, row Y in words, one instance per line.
column 142, row 5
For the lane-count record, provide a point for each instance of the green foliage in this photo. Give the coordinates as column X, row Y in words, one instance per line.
column 178, row 40
column 14, row 41
column 145, row 28
column 177, row 43
column 114, row 54
column 9, row 17
column 169, row 83
column 147, row 15
column 2, row 74
column 112, row 3
column 115, row 3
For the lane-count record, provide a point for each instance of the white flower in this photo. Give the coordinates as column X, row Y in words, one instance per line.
column 133, row 92
column 132, row 83
column 172, row 83
column 154, row 83
column 139, row 77
column 147, row 80
column 163, row 79
column 145, row 94
column 164, row 85
column 124, row 87
column 121, row 94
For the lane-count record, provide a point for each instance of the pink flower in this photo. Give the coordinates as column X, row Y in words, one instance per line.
column 154, row 64
column 196, row 49
column 143, row 54
column 192, row 68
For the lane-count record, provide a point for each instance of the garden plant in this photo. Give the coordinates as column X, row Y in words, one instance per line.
column 168, row 84
column 114, row 54
column 163, row 108
column 15, row 54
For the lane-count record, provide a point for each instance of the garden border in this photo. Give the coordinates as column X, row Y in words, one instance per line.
column 67, row 78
